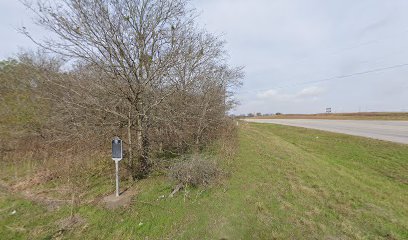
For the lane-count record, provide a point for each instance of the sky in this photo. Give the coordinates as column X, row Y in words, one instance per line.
column 298, row 56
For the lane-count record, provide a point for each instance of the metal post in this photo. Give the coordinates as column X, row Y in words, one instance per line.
column 117, row 178
column 117, row 155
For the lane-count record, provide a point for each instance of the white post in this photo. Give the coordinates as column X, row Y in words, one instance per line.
column 117, row 178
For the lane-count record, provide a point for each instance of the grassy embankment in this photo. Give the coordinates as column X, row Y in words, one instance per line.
column 284, row 183
column 401, row 116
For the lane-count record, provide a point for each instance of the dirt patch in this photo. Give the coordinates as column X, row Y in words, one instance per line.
column 124, row 199
column 50, row 203
column 67, row 224
column 71, row 222
column 38, row 179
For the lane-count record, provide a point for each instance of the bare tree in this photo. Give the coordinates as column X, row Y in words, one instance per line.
column 143, row 54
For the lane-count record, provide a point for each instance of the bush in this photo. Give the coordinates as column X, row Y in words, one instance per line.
column 194, row 171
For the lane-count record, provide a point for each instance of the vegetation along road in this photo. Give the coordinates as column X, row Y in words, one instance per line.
column 282, row 183
column 394, row 131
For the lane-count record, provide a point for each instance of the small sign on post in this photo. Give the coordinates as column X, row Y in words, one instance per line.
column 117, row 155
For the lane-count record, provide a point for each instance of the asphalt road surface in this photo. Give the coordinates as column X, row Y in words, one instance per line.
column 394, row 131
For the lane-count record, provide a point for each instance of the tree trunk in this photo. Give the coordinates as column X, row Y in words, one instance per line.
column 144, row 158
column 130, row 144
column 143, row 144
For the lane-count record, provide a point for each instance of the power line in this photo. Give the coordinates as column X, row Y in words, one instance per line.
column 357, row 74
column 338, row 51
column 336, row 77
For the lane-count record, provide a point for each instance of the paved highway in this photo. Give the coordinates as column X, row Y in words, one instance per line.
column 394, row 131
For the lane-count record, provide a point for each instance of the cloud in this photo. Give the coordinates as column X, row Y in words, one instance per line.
column 285, row 42
column 309, row 93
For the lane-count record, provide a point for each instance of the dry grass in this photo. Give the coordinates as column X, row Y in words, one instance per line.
column 402, row 116
column 194, row 171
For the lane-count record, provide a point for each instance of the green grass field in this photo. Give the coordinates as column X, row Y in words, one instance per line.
column 283, row 183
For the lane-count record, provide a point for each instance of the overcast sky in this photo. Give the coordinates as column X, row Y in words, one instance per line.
column 295, row 52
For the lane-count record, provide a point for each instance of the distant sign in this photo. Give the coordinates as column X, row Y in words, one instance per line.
column 117, row 150
column 328, row 110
